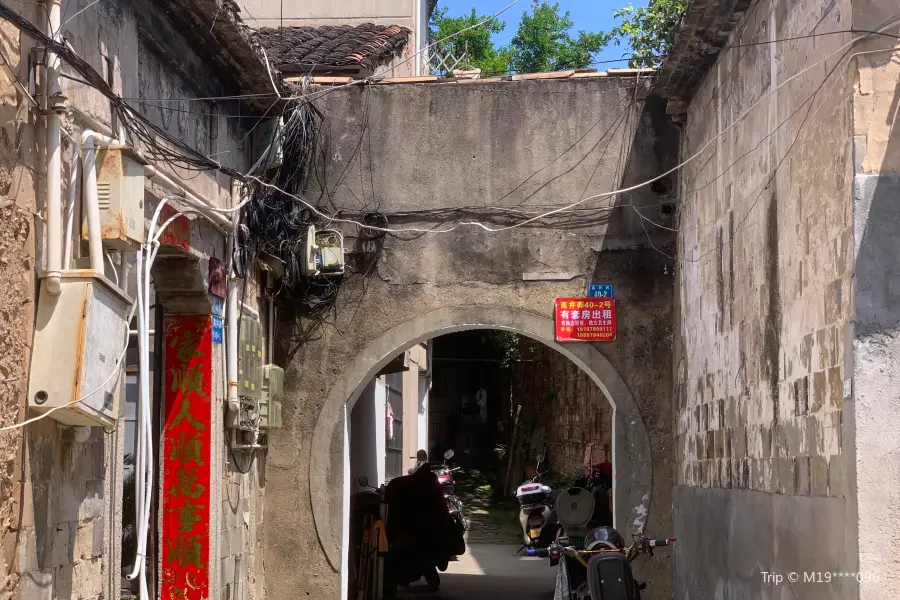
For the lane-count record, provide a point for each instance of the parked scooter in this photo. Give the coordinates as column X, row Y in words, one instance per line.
column 534, row 509
column 601, row 570
column 422, row 536
column 444, row 474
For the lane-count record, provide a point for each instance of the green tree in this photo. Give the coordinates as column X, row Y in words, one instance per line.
column 467, row 40
column 543, row 42
column 649, row 31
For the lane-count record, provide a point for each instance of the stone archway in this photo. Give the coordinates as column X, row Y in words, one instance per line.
column 631, row 447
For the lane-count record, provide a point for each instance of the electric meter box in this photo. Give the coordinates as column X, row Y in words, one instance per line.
column 120, row 194
column 79, row 341
column 250, row 355
column 270, row 400
column 323, row 252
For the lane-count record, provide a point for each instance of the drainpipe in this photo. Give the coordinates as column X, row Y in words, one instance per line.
column 55, row 106
column 90, row 199
column 231, row 347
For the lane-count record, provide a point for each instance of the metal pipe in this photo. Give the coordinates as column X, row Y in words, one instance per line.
column 55, row 105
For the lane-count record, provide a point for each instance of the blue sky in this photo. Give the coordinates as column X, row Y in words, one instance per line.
column 589, row 15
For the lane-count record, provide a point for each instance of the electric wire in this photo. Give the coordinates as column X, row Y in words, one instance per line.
column 609, row 194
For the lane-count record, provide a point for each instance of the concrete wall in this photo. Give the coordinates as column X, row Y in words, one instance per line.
column 412, row 14
column 413, row 407
column 763, row 419
column 876, row 315
column 440, row 153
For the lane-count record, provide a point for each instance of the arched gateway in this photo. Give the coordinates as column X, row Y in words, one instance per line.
column 535, row 145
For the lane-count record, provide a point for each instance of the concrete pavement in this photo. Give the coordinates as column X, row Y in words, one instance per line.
column 489, row 571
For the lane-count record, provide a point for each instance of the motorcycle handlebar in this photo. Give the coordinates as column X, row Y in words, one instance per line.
column 663, row 542
column 540, row 552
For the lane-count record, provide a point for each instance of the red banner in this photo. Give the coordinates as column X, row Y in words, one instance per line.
column 186, row 458
column 585, row 319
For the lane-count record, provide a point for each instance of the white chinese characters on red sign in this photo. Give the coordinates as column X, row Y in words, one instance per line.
column 585, row 319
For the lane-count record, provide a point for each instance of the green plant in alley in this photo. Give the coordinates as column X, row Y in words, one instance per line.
column 648, row 31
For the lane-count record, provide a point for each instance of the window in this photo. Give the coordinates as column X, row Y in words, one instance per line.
column 394, row 425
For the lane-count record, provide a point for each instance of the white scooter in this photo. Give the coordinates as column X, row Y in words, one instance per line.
column 534, row 507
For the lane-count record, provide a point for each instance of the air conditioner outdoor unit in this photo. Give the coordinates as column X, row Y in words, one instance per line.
column 79, row 339
column 323, row 252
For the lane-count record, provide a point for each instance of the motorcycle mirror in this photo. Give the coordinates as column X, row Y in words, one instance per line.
column 540, row 458
column 363, row 481
column 448, row 454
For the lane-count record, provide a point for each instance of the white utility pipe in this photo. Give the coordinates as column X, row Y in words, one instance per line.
column 90, row 140
column 54, row 156
column 70, row 214
column 152, row 172
column 231, row 312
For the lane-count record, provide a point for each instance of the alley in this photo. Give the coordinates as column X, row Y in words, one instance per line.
column 489, row 571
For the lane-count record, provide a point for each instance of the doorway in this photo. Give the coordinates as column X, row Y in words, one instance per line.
column 497, row 400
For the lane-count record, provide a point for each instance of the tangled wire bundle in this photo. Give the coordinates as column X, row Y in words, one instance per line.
column 273, row 222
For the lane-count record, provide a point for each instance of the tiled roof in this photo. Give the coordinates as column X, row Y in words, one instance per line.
column 703, row 34
column 305, row 48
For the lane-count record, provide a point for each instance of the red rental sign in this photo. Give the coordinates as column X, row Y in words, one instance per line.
column 585, row 319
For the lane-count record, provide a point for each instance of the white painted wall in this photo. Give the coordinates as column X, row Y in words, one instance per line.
column 367, row 436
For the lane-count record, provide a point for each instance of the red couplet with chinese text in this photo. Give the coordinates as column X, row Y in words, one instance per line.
column 585, row 319
column 186, row 457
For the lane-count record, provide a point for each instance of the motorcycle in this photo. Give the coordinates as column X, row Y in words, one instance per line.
column 421, row 534
column 444, row 474
column 534, row 509
column 601, row 570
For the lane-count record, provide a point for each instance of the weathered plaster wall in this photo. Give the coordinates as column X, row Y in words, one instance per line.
column 444, row 152
column 17, row 206
column 876, row 316
column 764, row 477
column 60, row 500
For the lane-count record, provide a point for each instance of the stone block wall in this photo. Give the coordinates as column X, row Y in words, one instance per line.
column 241, row 531
column 65, row 548
column 566, row 401
column 764, row 303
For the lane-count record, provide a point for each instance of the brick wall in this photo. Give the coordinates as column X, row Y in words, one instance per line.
column 565, row 400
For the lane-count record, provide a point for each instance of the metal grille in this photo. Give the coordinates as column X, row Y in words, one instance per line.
column 393, row 464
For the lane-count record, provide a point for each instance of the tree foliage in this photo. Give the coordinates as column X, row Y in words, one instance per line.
column 544, row 40
column 467, row 40
column 648, row 31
